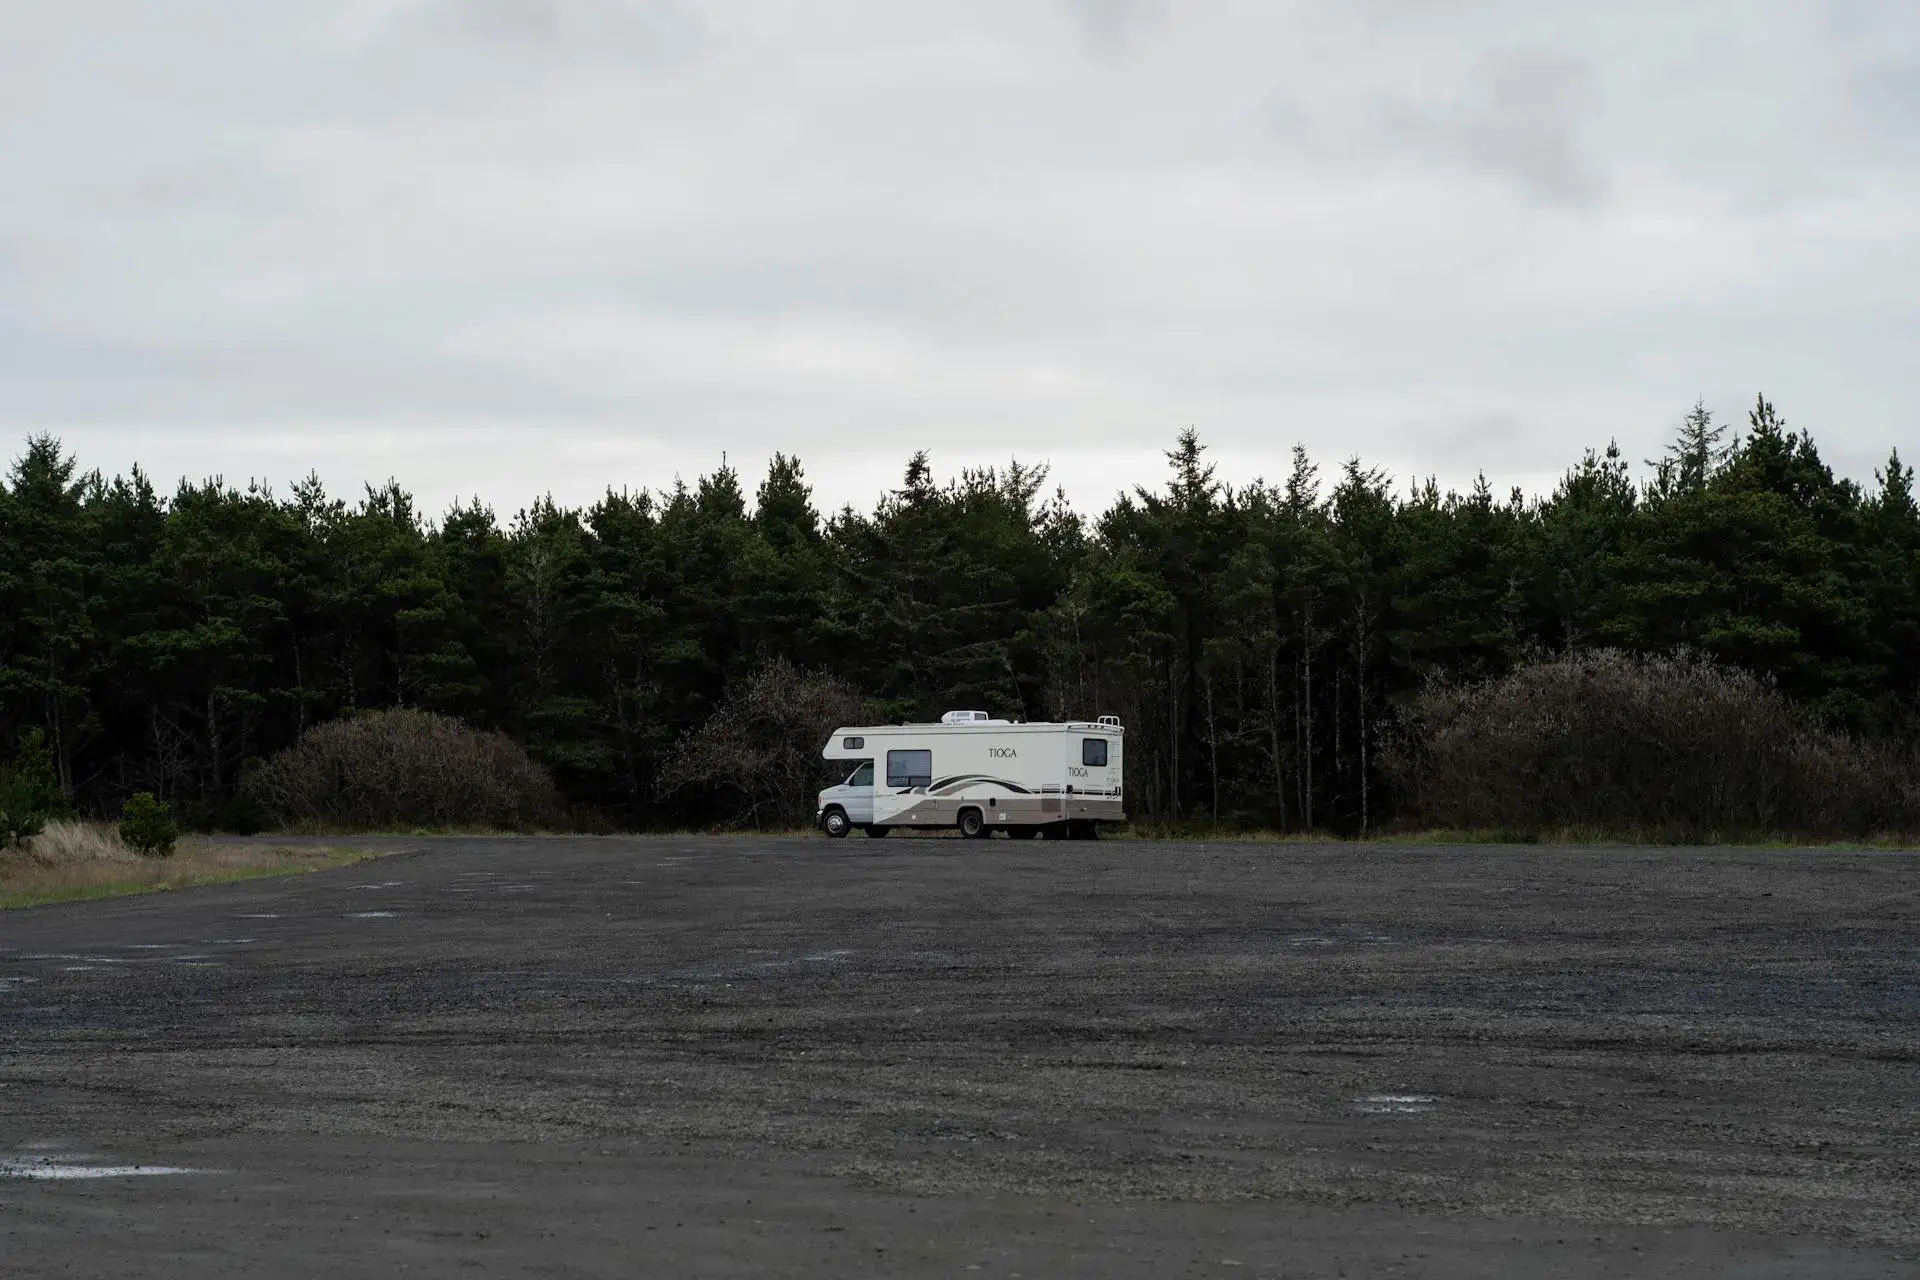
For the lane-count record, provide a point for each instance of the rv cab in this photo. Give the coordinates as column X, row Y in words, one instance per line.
column 854, row 797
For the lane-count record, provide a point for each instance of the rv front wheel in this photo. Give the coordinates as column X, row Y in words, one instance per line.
column 836, row 823
column 972, row 825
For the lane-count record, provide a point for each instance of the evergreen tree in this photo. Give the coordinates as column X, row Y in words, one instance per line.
column 1698, row 453
column 1578, row 532
column 1888, row 570
column 48, row 636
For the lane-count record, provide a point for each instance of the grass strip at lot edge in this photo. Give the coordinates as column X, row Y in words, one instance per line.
column 1566, row 837
column 48, row 895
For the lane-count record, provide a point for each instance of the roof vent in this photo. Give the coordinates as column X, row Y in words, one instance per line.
column 964, row 717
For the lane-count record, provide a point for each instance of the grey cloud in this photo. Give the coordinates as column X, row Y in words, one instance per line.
column 1521, row 117
column 636, row 33
column 1526, row 121
column 532, row 22
column 1110, row 26
column 1878, row 20
column 1890, row 95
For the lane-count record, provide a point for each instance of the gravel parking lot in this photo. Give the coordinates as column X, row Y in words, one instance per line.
column 794, row 1057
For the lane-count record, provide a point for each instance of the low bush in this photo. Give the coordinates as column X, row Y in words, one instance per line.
column 147, row 825
column 401, row 769
column 1662, row 747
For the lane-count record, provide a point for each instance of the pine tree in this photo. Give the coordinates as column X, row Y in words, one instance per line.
column 1699, row 450
column 48, row 635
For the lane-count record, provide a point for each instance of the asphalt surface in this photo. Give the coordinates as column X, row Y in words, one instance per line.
column 914, row 1057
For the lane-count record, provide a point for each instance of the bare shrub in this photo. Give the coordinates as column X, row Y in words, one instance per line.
column 760, row 752
column 389, row 769
column 1675, row 747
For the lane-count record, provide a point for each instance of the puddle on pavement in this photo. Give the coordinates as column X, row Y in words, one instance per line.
column 1346, row 936
column 52, row 1171
column 56, row 1161
column 81, row 961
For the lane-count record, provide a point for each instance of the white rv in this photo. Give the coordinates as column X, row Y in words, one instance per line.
column 977, row 774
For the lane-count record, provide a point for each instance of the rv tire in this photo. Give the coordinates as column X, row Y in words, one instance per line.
column 973, row 824
column 835, row 823
column 877, row 832
column 1083, row 830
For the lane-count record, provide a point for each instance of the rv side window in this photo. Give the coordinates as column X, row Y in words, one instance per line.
column 852, row 744
column 909, row 768
column 863, row 776
column 1093, row 752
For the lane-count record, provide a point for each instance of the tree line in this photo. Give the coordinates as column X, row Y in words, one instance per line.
column 1258, row 640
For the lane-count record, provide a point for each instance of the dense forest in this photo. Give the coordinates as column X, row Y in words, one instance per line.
column 1257, row 640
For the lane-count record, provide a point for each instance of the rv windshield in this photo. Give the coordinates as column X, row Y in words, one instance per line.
column 861, row 777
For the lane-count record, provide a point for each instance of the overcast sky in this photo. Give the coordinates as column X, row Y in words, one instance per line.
column 512, row 246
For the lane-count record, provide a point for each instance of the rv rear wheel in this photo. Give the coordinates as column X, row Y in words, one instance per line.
column 972, row 824
column 877, row 833
column 836, row 823
column 1081, row 829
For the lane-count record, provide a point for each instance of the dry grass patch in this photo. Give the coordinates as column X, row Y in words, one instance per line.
column 70, row 861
